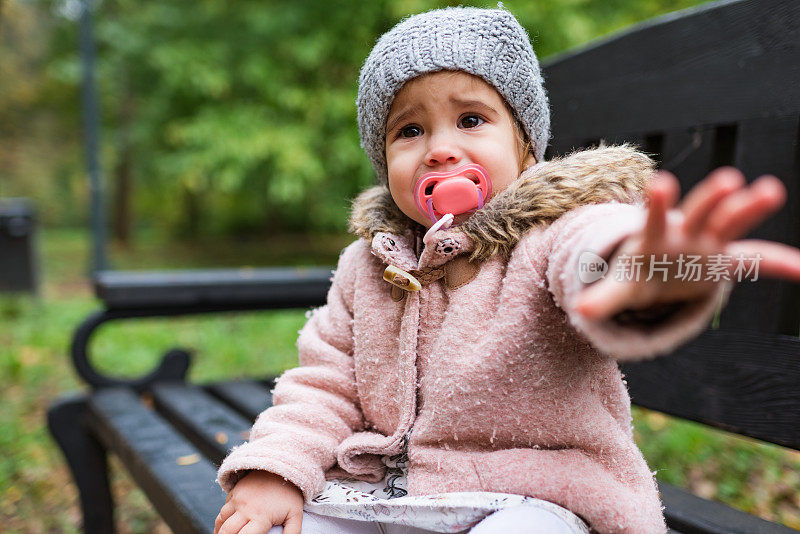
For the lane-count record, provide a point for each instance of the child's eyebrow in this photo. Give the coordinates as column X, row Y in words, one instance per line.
column 410, row 110
column 472, row 104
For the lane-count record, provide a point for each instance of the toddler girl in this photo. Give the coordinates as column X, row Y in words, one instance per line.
column 463, row 375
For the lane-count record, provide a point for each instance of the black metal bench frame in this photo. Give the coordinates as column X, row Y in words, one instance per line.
column 710, row 86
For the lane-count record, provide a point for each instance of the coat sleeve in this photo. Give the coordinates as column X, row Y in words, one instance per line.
column 631, row 335
column 315, row 406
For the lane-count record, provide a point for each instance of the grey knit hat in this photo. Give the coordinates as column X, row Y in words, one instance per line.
column 489, row 43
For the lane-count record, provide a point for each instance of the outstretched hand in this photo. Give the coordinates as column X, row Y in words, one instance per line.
column 713, row 215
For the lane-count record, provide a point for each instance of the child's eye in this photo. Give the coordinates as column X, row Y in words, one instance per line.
column 410, row 131
column 470, row 121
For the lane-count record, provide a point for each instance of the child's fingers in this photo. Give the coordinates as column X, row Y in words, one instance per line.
column 233, row 524
column 776, row 259
column 255, row 527
column 743, row 210
column 293, row 523
column 700, row 201
column 225, row 512
column 664, row 191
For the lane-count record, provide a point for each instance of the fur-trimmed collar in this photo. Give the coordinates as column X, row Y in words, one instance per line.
column 541, row 195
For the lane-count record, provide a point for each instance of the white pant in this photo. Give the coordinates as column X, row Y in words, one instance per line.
column 515, row 520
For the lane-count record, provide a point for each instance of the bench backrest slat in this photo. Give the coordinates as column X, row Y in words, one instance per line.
column 720, row 63
column 738, row 381
column 770, row 146
column 711, row 86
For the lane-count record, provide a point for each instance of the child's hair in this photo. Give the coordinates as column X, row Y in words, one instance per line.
column 488, row 43
column 523, row 143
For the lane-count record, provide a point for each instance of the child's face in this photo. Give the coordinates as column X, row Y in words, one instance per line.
column 441, row 121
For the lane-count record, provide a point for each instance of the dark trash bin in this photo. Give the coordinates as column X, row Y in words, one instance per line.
column 18, row 269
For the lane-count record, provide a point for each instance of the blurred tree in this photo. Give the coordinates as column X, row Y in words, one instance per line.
column 233, row 117
column 37, row 113
column 241, row 114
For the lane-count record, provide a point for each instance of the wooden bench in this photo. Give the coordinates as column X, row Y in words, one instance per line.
column 707, row 87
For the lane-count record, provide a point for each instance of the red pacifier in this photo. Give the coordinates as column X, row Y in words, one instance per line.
column 463, row 189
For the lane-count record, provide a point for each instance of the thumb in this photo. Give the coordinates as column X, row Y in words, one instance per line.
column 603, row 299
column 294, row 522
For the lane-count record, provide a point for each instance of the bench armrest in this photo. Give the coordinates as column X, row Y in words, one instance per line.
column 131, row 294
column 233, row 289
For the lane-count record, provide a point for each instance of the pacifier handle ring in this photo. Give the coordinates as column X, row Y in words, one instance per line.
column 445, row 222
column 431, row 211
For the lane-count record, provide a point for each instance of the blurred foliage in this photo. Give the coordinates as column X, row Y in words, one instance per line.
column 219, row 117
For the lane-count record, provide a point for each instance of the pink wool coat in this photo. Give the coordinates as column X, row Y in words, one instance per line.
column 498, row 383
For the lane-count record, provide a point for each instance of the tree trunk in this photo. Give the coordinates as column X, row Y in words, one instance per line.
column 122, row 217
column 122, row 196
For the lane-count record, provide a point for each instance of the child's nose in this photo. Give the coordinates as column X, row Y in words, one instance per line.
column 442, row 149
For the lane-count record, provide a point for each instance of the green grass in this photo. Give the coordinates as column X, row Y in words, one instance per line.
column 36, row 494
column 751, row 475
column 35, row 369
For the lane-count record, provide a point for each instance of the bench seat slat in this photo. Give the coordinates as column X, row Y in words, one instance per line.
column 689, row 513
column 212, row 426
column 153, row 451
column 247, row 396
